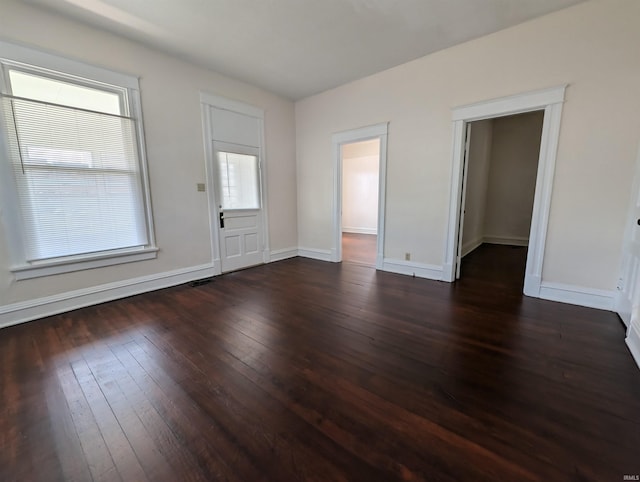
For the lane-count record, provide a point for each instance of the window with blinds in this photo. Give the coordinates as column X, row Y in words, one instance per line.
column 74, row 154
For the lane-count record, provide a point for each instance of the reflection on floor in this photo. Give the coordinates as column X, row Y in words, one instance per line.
column 359, row 248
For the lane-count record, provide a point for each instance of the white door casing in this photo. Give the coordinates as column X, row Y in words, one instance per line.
column 627, row 299
column 234, row 127
column 378, row 131
column 465, row 173
column 551, row 101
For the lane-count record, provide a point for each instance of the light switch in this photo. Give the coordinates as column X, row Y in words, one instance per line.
column 200, row 187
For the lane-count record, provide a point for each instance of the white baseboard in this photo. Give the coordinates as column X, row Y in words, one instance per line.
column 280, row 254
column 470, row 246
column 320, row 254
column 21, row 312
column 506, row 240
column 16, row 313
column 359, row 230
column 577, row 295
column 633, row 342
column 411, row 268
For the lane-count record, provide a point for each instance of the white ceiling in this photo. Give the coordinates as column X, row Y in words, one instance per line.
column 300, row 47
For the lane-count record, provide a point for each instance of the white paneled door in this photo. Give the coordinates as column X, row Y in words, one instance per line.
column 239, row 207
column 628, row 293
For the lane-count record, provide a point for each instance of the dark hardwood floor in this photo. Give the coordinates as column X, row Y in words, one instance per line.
column 305, row 370
column 500, row 266
column 359, row 248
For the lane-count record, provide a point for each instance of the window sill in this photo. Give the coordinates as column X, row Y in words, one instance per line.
column 82, row 263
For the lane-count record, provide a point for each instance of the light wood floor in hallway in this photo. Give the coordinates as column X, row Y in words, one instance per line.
column 359, row 248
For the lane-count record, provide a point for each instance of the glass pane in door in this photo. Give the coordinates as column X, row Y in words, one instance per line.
column 238, row 181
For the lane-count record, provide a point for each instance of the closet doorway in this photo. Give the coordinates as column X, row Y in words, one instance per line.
column 498, row 191
column 549, row 101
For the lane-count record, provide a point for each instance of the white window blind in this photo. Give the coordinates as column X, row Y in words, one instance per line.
column 76, row 166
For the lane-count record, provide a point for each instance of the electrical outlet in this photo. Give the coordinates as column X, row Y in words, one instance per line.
column 200, row 186
column 407, row 256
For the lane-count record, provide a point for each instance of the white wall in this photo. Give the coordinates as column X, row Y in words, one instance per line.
column 592, row 47
column 171, row 108
column 360, row 173
column 501, row 180
column 512, row 178
column 477, row 183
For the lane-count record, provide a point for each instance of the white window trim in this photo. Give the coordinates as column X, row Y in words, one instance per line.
column 26, row 55
column 12, row 53
column 77, row 263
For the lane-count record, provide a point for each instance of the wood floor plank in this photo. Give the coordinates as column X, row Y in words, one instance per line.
column 66, row 443
column 269, row 370
column 125, row 409
column 11, row 400
column 126, row 461
column 305, row 370
column 359, row 248
column 161, row 413
column 95, row 450
column 244, row 423
column 31, row 417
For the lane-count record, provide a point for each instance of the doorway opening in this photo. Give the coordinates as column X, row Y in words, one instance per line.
column 498, row 189
column 360, row 188
column 360, row 170
column 548, row 100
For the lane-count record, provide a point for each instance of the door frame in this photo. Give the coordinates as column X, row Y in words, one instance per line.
column 628, row 312
column 621, row 303
column 207, row 102
column 377, row 131
column 463, row 198
column 551, row 101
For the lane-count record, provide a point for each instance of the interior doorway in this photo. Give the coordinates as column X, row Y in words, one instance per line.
column 550, row 101
column 360, row 191
column 499, row 182
column 359, row 195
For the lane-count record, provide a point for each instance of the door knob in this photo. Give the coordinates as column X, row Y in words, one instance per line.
column 221, row 220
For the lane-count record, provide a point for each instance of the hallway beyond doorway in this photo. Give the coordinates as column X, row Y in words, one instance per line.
column 359, row 248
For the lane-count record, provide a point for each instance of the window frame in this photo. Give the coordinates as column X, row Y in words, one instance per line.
column 228, row 148
column 24, row 59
